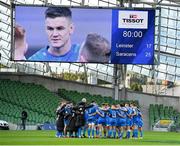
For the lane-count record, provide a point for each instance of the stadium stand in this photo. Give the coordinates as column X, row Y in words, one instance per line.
column 160, row 112
column 75, row 97
column 39, row 103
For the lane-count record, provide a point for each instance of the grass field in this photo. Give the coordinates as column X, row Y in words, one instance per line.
column 48, row 138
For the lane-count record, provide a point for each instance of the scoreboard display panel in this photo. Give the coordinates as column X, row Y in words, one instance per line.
column 132, row 36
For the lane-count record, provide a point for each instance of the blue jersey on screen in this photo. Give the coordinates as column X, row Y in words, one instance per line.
column 44, row 55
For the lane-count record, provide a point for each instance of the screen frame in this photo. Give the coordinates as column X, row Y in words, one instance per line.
column 12, row 58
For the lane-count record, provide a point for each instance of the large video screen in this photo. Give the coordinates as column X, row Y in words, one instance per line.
column 77, row 34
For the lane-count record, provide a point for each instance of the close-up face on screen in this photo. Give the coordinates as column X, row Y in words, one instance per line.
column 62, row 34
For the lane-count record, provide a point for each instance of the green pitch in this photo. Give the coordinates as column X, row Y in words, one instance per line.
column 48, row 138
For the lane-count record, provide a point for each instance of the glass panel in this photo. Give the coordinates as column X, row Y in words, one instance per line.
column 164, row 21
column 162, row 67
column 171, row 33
column 178, row 44
column 177, row 52
column 173, row 14
column 171, row 42
column 163, row 48
column 145, row 72
column 177, row 71
column 178, row 62
column 170, row 77
column 178, row 33
column 130, row 67
column 92, row 2
column 137, row 69
column 65, row 2
column 101, row 3
column 164, row 12
column 171, row 69
column 163, row 59
column 164, row 31
column 163, row 40
column 177, row 78
column 171, row 60
column 38, row 2
column 170, row 50
column 4, row 35
column 161, row 76
column 178, row 22
column 172, row 23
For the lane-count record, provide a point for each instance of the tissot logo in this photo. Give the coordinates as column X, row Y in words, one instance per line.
column 132, row 19
column 136, row 19
column 132, row 16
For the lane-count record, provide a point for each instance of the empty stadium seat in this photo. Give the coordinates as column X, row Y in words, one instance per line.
column 39, row 102
column 157, row 112
column 75, row 97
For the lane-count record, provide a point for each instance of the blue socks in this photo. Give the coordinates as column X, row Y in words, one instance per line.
column 114, row 133
column 109, row 132
column 59, row 134
column 84, row 130
column 135, row 133
column 141, row 133
column 128, row 134
column 89, row 132
column 97, row 131
column 79, row 132
column 93, row 132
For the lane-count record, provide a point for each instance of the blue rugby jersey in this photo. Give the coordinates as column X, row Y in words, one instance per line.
column 44, row 55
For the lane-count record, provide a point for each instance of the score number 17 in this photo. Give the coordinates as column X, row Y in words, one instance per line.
column 148, row 45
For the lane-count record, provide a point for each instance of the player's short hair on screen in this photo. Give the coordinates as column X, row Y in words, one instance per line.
column 53, row 12
column 96, row 48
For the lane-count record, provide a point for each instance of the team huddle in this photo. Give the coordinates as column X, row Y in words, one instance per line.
column 115, row 121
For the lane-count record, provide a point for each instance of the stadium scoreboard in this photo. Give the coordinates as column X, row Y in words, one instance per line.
column 132, row 36
column 130, row 32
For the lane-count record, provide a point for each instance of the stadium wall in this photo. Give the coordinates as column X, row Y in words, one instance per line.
column 54, row 84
